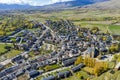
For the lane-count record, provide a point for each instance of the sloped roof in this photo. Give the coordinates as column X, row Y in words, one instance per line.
column 117, row 66
column 49, row 78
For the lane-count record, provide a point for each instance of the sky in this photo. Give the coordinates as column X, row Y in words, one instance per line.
column 31, row 2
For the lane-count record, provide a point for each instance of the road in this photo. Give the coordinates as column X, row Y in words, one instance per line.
column 21, row 40
column 52, row 32
column 16, row 34
column 6, row 43
column 43, row 34
column 24, row 53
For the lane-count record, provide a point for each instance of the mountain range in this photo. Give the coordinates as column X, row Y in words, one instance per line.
column 67, row 4
column 14, row 6
column 110, row 4
column 74, row 3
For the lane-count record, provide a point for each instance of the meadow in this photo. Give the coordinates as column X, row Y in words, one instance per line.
column 104, row 19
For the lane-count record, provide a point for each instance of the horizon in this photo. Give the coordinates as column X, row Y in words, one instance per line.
column 31, row 2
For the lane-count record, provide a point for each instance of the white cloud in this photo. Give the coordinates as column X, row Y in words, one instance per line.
column 54, row 1
column 31, row 2
column 12, row 1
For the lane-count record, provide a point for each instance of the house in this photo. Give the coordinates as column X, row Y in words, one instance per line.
column 34, row 65
column 8, row 77
column 5, row 78
column 9, row 71
column 17, row 58
column 65, row 74
column 91, row 52
column 53, row 53
column 49, row 78
column 2, row 73
column 33, row 74
column 25, row 47
column 117, row 67
column 96, row 53
column 116, row 36
column 18, row 39
column 78, row 67
column 103, row 49
column 20, row 72
column 68, row 62
column 1, row 66
column 12, row 76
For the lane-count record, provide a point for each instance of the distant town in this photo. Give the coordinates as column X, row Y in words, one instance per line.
column 57, row 50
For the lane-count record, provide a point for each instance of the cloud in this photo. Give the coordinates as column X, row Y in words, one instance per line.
column 11, row 1
column 31, row 2
column 54, row 1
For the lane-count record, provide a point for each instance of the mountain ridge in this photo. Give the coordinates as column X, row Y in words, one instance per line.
column 73, row 3
column 111, row 4
column 59, row 5
column 14, row 6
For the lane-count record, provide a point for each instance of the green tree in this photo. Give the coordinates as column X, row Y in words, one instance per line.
column 79, row 60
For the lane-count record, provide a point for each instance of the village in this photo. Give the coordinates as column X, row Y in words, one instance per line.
column 60, row 48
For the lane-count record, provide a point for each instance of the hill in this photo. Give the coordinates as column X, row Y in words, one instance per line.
column 14, row 6
column 111, row 4
column 58, row 5
column 74, row 3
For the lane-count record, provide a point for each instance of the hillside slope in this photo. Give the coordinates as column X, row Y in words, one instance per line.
column 58, row 5
column 14, row 6
column 111, row 4
column 74, row 3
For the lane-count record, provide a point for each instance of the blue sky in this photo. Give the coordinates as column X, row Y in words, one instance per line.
column 32, row 2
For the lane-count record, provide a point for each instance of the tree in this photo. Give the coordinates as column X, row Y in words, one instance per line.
column 90, row 62
column 79, row 60
column 97, row 70
column 7, row 47
column 100, row 67
column 107, row 32
column 114, row 48
column 80, row 34
column 104, row 38
column 116, row 58
column 95, row 30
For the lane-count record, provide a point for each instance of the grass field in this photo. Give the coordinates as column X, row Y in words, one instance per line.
column 2, row 47
column 10, row 54
column 115, row 29
column 108, row 76
column 83, row 17
column 81, row 75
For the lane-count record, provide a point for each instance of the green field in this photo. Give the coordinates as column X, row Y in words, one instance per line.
column 83, row 17
column 81, row 75
column 10, row 54
column 108, row 76
column 115, row 29
column 2, row 47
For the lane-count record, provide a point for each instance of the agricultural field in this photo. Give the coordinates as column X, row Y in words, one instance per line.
column 81, row 75
column 3, row 49
column 108, row 75
column 10, row 54
column 83, row 17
